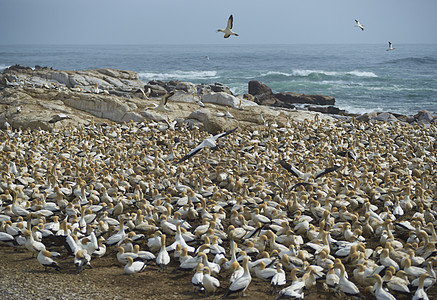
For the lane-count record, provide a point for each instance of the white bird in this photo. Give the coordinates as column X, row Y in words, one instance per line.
column 227, row 31
column 210, row 283
column 357, row 24
column 208, row 142
column 133, row 267
column 197, row 279
column 162, row 259
column 44, row 257
column 242, row 282
column 390, row 47
column 380, row 292
column 420, row 293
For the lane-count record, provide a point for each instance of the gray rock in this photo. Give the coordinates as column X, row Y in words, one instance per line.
column 424, row 116
column 385, row 116
column 293, row 98
column 221, row 98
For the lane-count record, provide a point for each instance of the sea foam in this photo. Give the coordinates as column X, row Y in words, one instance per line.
column 178, row 75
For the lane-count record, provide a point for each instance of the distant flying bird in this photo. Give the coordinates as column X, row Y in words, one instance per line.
column 208, row 142
column 357, row 24
column 228, row 32
column 390, row 47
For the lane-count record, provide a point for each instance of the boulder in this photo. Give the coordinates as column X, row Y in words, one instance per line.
column 293, row 98
column 155, row 90
column 367, row 117
column 107, row 107
column 385, row 116
column 187, row 87
column 326, row 109
column 424, row 116
column 258, row 88
column 221, row 98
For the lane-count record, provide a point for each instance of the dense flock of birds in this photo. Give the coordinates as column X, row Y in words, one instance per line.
column 342, row 205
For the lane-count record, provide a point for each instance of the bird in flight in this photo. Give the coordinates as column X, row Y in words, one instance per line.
column 390, row 47
column 227, row 31
column 305, row 176
column 359, row 25
column 208, row 142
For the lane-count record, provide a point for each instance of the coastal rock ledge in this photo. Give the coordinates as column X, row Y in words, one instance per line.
column 44, row 98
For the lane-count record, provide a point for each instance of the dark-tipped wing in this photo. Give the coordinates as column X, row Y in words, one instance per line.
column 230, row 22
column 217, row 136
column 166, row 96
column 189, row 154
column 327, row 170
column 289, row 167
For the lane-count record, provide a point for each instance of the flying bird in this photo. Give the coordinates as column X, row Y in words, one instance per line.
column 357, row 24
column 306, row 176
column 390, row 47
column 208, row 142
column 227, row 31
column 163, row 102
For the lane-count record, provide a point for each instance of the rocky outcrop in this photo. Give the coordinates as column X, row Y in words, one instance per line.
column 105, row 79
column 48, row 99
column 295, row 98
column 264, row 95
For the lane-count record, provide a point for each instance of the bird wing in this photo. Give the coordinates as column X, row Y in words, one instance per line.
column 166, row 96
column 326, row 171
column 230, row 23
column 226, row 36
column 217, row 136
column 290, row 168
column 191, row 153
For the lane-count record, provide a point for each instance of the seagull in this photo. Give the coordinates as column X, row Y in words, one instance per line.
column 306, row 176
column 359, row 25
column 390, row 47
column 163, row 102
column 228, row 32
column 208, row 142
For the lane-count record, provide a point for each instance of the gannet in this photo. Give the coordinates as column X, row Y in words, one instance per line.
column 210, row 283
column 162, row 259
column 197, row 279
column 163, row 102
column 420, row 293
column 306, row 176
column 390, row 47
column 227, row 31
column 242, row 282
column 44, row 257
column 208, row 142
column 133, row 267
column 357, row 24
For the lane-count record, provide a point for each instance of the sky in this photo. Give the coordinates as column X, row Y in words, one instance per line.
column 196, row 21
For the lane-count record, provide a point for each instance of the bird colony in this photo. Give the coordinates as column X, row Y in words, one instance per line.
column 344, row 207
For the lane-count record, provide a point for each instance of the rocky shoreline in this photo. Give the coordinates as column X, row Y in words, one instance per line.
column 44, row 98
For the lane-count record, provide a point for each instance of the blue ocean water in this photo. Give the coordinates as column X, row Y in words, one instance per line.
column 362, row 78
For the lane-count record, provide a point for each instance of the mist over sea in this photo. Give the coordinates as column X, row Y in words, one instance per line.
column 362, row 78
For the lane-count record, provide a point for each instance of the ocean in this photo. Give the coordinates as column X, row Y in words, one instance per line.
column 362, row 78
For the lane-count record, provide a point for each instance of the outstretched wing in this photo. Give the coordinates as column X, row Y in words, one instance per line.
column 327, row 170
column 217, row 136
column 290, row 168
column 230, row 22
column 166, row 96
column 189, row 154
